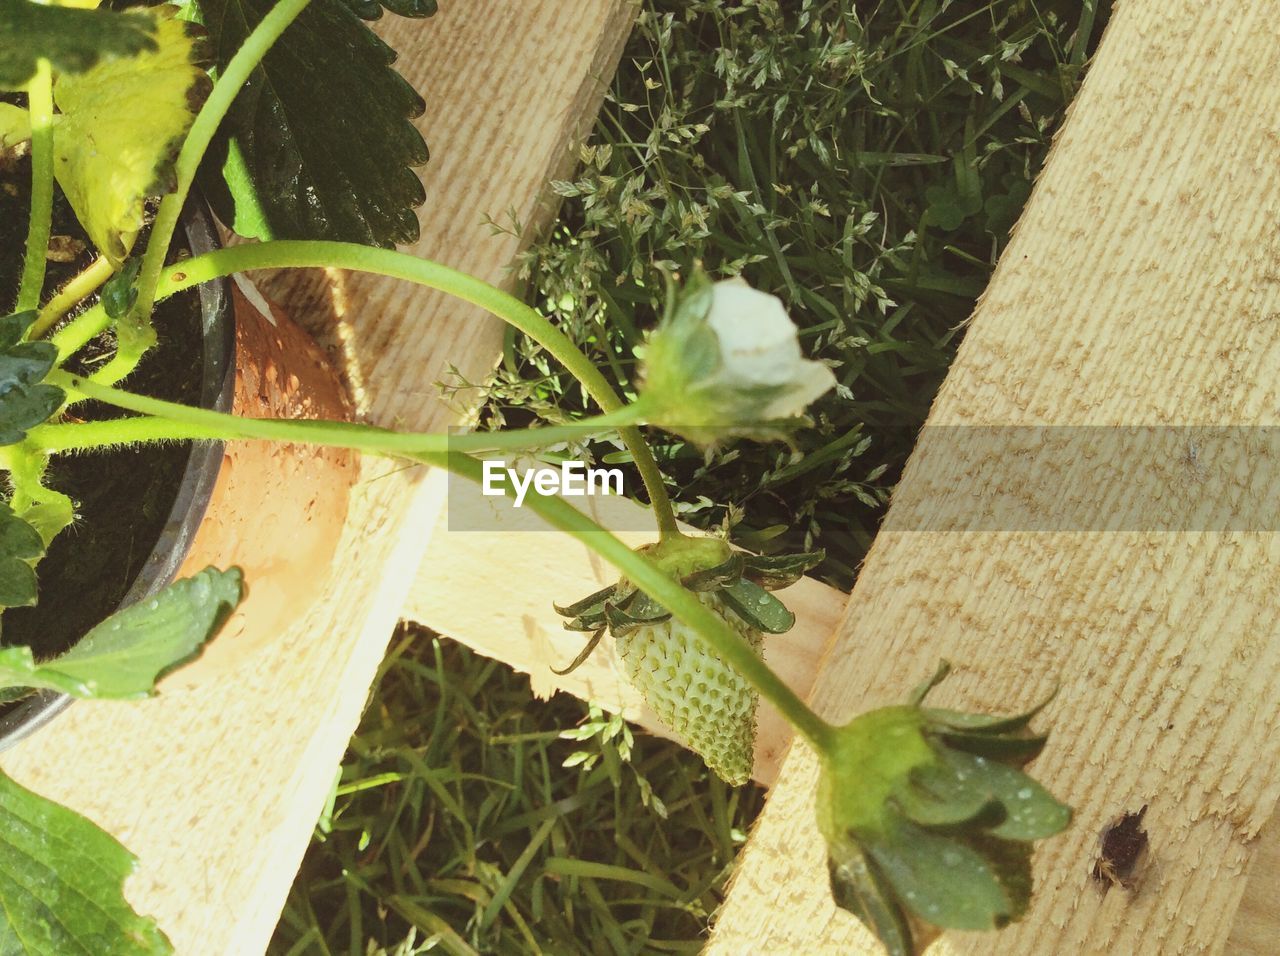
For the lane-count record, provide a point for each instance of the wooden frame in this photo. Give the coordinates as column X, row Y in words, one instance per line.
column 217, row 789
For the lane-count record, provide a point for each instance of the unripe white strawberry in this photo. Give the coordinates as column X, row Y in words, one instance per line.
column 694, row 692
column 689, row 686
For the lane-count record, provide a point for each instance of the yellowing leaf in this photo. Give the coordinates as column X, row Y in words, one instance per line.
column 15, row 125
column 122, row 124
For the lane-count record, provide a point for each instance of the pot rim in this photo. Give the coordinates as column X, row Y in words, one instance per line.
column 198, row 478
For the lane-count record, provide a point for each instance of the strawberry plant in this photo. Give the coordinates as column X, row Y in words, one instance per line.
column 928, row 816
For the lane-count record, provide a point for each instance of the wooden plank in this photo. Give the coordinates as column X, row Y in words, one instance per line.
column 1140, row 288
column 463, row 593
column 217, row 789
column 1256, row 930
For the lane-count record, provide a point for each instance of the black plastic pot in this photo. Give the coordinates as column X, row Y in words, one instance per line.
column 24, row 717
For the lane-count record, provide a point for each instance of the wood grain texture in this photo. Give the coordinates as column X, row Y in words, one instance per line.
column 1140, row 288
column 217, row 789
column 463, row 593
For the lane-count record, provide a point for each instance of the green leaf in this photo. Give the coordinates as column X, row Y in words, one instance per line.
column 50, row 517
column 983, row 723
column 25, row 401
column 713, row 579
column 61, row 884
column 639, row 610
column 372, row 9
column 595, row 600
column 758, row 607
column 121, row 126
column 942, row 879
column 20, row 544
column 582, row 655
column 858, row 888
column 124, row 656
column 120, row 293
column 1029, row 811
column 781, row 571
column 72, row 40
column 1011, row 749
column 15, row 126
column 934, row 796
column 314, row 151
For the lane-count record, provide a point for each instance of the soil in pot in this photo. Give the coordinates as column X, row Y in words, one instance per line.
column 123, row 497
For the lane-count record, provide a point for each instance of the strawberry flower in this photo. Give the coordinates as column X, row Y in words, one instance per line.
column 726, row 361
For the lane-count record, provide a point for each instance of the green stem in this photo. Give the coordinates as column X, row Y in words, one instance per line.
column 79, row 331
column 26, row 466
column 672, row 595
column 40, row 104
column 170, row 421
column 136, row 334
column 286, row 254
column 442, row 451
column 79, row 288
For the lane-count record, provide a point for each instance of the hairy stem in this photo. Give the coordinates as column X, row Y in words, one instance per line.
column 135, row 332
column 79, row 331
column 285, row 254
column 79, row 288
column 40, row 104
column 170, row 421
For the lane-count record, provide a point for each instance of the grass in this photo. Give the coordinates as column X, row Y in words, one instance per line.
column 471, row 818
column 865, row 167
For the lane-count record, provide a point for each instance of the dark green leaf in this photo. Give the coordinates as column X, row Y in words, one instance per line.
column 25, row 401
column 61, row 884
column 72, row 40
column 126, row 654
column 372, row 9
column 640, row 611
column 856, row 887
column 984, row 723
column 1029, row 811
column 934, row 796
column 119, row 294
column 20, row 544
column 712, row 579
column 781, row 571
column 587, row 603
column 1010, row 749
column 320, row 140
column 582, row 655
column 587, row 621
column 942, row 879
column 758, row 607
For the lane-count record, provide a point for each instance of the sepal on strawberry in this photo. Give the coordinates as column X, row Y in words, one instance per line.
column 690, row 688
column 930, row 821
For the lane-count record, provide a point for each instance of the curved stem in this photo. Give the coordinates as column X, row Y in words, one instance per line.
column 79, row 288
column 170, row 421
column 285, row 254
column 40, row 102
column 439, row 450
column 136, row 333
column 672, row 595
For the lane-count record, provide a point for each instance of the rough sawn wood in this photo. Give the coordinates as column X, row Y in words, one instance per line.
column 1140, row 288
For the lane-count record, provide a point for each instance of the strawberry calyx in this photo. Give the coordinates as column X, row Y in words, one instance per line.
column 707, row 565
column 930, row 821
